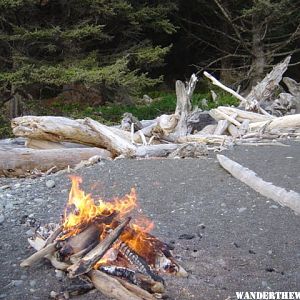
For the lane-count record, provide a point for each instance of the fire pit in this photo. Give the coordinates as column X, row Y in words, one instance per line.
column 108, row 245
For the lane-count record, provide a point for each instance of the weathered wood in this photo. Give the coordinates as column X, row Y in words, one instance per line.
column 110, row 286
column 294, row 89
column 218, row 114
column 92, row 257
column 50, row 249
column 136, row 290
column 111, row 141
column 234, row 132
column 208, row 129
column 206, row 139
column 129, row 119
column 44, row 144
column 265, row 89
column 161, row 150
column 193, row 150
column 183, row 106
column 19, row 162
column 285, row 122
column 221, row 127
column 290, row 199
column 241, row 115
column 58, row 129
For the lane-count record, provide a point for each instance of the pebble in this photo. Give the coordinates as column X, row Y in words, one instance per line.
column 270, row 252
column 50, row 183
column 59, row 274
column 23, row 277
column 38, row 200
column 2, row 219
column 273, row 206
column 32, row 283
column 17, row 185
column 240, row 210
column 4, row 187
column 9, row 205
column 186, row 236
column 17, row 282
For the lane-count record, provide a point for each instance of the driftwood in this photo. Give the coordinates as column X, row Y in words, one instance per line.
column 58, row 129
column 294, row 89
column 43, row 144
column 265, row 89
column 18, row 162
column 111, row 287
column 161, row 150
column 128, row 120
column 285, row 122
column 50, row 249
column 92, row 257
column 183, row 107
column 290, row 199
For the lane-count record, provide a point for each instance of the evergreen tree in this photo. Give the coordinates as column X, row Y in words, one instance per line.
column 98, row 43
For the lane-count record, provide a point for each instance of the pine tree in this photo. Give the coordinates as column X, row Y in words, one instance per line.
column 98, row 43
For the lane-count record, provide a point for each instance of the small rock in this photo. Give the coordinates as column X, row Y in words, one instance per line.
column 59, row 274
column 273, row 206
column 4, row 187
column 252, row 252
column 50, row 183
column 2, row 219
column 17, row 282
column 23, row 277
column 236, row 245
column 201, row 226
column 270, row 252
column 240, row 210
column 32, row 283
column 186, row 236
column 3, row 296
column 38, row 200
column 17, row 185
column 264, row 284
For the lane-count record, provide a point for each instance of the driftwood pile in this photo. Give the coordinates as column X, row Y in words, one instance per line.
column 101, row 245
column 261, row 118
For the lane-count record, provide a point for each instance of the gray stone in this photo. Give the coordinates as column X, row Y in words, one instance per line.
column 273, row 206
column 17, row 282
column 38, row 200
column 32, row 283
column 240, row 210
column 270, row 252
column 4, row 187
column 17, row 185
column 50, row 183
column 2, row 219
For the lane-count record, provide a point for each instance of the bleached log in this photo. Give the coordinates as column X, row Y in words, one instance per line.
column 294, row 89
column 161, row 150
column 206, row 139
column 290, row 199
column 234, row 132
column 58, row 129
column 218, row 114
column 265, row 89
column 50, row 249
column 167, row 123
column 221, row 127
column 110, row 286
column 224, row 87
column 111, row 141
column 129, row 119
column 183, row 106
column 208, row 129
column 285, row 122
column 242, row 114
column 22, row 161
column 44, row 144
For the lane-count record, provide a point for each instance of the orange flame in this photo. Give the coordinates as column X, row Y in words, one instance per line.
column 82, row 210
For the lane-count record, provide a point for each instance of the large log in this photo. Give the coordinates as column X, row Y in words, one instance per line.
column 290, row 199
column 44, row 144
column 161, row 150
column 58, row 129
column 285, row 122
column 19, row 162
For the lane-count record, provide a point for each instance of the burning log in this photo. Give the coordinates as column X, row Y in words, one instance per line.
column 111, row 287
column 92, row 257
column 139, row 262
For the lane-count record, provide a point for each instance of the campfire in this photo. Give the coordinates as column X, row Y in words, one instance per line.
column 108, row 245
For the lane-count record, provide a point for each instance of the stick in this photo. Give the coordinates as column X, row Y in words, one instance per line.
column 92, row 257
column 110, row 286
column 290, row 199
column 50, row 249
column 54, row 235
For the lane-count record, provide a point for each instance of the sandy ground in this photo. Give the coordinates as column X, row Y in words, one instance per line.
column 249, row 242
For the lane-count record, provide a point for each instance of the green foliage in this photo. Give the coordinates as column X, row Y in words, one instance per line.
column 92, row 42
